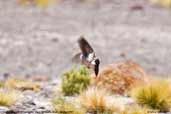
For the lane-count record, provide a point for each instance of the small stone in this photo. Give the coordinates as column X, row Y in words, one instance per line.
column 39, row 78
column 136, row 7
column 4, row 109
column 55, row 39
column 123, row 54
column 6, row 75
column 44, row 104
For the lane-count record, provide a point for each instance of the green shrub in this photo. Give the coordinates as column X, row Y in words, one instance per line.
column 75, row 80
column 62, row 106
column 155, row 95
column 1, row 84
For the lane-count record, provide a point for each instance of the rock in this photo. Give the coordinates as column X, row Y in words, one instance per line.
column 39, row 78
column 4, row 109
column 43, row 104
column 120, row 102
column 120, row 76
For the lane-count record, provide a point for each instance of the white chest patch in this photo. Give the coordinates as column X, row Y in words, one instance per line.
column 81, row 56
column 93, row 62
column 90, row 57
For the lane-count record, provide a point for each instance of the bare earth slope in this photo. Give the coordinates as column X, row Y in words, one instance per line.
column 42, row 41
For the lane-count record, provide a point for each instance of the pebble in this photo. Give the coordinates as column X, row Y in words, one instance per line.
column 4, row 109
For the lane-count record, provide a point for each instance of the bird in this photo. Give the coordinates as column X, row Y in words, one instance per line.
column 87, row 56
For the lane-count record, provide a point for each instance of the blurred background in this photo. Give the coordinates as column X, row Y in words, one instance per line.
column 39, row 37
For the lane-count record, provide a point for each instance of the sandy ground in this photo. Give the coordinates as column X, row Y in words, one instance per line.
column 42, row 41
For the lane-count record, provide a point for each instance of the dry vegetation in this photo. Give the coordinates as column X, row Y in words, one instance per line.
column 95, row 100
column 45, row 3
column 119, row 77
column 41, row 3
column 22, row 84
column 62, row 106
column 135, row 110
column 163, row 3
column 155, row 95
column 9, row 97
column 94, row 93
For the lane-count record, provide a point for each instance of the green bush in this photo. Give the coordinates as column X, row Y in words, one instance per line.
column 61, row 106
column 1, row 84
column 75, row 80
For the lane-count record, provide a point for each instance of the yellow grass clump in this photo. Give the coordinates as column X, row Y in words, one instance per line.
column 163, row 3
column 135, row 109
column 62, row 106
column 155, row 95
column 95, row 100
column 41, row 3
column 22, row 84
column 8, row 97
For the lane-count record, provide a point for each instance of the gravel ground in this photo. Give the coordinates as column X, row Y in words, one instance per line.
column 42, row 41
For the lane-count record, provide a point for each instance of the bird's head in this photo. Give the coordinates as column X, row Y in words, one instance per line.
column 96, row 63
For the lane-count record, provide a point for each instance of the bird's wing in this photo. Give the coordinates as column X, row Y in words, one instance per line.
column 76, row 58
column 85, row 47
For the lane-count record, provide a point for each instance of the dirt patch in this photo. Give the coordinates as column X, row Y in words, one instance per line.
column 42, row 41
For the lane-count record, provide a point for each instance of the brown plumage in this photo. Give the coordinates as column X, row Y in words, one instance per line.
column 87, row 56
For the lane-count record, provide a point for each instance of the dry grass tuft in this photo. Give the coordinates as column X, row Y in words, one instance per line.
column 95, row 100
column 163, row 3
column 41, row 3
column 8, row 97
column 119, row 77
column 135, row 109
column 22, row 84
column 155, row 95
column 62, row 106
